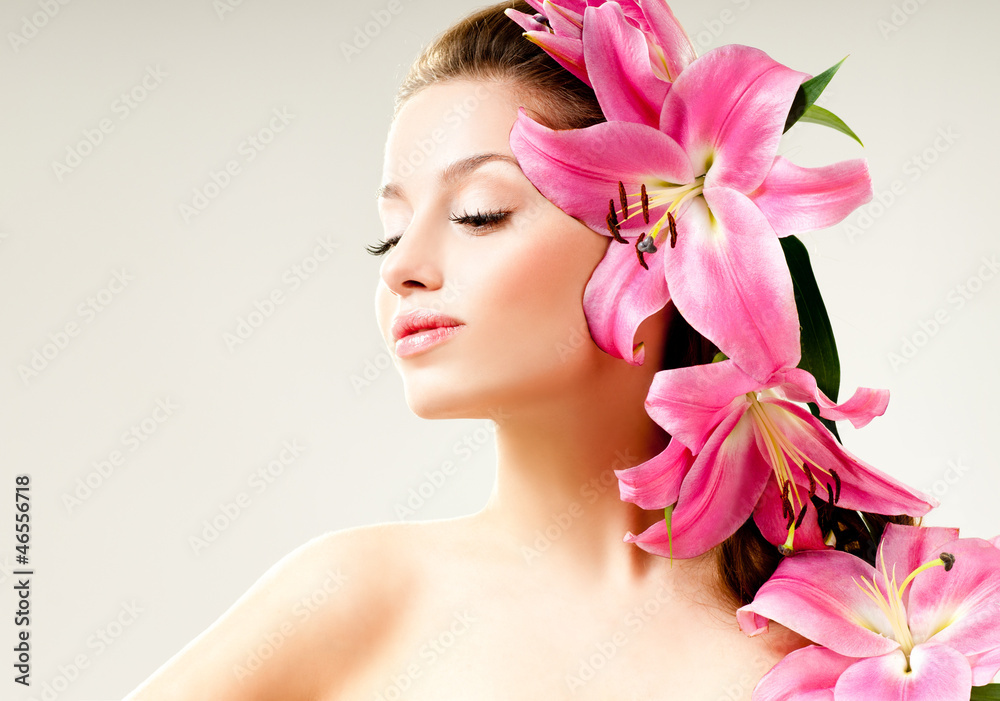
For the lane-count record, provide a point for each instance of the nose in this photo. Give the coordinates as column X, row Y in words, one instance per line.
column 414, row 263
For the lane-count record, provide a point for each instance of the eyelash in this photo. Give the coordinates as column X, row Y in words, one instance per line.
column 481, row 221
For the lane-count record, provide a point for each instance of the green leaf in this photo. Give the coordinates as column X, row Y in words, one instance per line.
column 817, row 115
column 815, row 86
column 819, row 349
column 808, row 93
column 990, row 692
column 668, row 514
column 805, row 109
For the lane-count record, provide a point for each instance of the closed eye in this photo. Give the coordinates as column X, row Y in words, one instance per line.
column 484, row 221
column 480, row 222
column 383, row 246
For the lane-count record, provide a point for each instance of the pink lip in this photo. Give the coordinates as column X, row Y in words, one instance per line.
column 424, row 340
column 422, row 329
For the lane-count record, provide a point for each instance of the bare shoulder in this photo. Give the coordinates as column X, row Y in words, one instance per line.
column 310, row 620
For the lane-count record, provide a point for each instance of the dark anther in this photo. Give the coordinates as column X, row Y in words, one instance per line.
column 612, row 220
column 790, row 519
column 829, row 492
column 624, row 198
column 812, row 480
column 802, row 515
column 673, row 229
column 785, row 487
column 638, row 251
column 614, row 230
column 645, row 204
column 836, row 479
column 949, row 561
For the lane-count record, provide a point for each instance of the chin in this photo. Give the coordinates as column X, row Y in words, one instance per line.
column 438, row 397
column 459, row 396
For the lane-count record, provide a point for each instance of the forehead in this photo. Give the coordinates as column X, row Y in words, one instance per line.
column 445, row 122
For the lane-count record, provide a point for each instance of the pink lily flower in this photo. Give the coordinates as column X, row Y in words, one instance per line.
column 923, row 626
column 706, row 176
column 742, row 448
column 665, row 43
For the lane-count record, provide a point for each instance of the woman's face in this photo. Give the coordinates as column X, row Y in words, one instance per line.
column 479, row 245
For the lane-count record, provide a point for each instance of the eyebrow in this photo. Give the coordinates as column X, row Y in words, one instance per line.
column 457, row 170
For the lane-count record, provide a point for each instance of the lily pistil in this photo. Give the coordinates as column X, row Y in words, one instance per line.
column 891, row 601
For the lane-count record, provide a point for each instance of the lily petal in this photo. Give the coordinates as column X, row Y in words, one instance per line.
column 863, row 487
column 796, row 199
column 865, row 404
column 772, row 523
column 566, row 50
column 806, row 674
column 690, row 402
column 677, row 51
column 721, row 489
column 729, row 259
column 736, row 125
column 619, row 296
column 724, row 482
column 813, row 594
column 631, row 10
column 563, row 20
column 525, row 21
column 617, row 59
column 578, row 170
column 937, row 673
column 656, row 483
column 984, row 667
column 959, row 608
column 908, row 548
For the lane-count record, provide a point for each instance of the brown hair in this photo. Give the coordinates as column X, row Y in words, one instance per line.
column 487, row 45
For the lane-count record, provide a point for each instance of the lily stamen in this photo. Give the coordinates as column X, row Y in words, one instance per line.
column 812, row 480
column 644, row 244
column 891, row 602
column 612, row 220
column 686, row 193
column 799, row 459
column 674, row 196
column 782, row 455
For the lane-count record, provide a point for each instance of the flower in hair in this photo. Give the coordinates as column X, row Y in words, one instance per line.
column 687, row 174
column 558, row 28
column 923, row 625
column 742, row 448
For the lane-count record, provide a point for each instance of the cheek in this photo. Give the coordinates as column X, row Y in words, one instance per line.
column 385, row 307
column 537, row 293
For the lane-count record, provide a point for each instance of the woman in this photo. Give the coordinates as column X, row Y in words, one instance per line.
column 536, row 595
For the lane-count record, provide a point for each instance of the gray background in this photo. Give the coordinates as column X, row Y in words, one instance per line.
column 314, row 371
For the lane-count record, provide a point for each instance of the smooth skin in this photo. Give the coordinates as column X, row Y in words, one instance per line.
column 535, row 596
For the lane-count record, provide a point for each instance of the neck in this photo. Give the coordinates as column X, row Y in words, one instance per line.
column 556, row 494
